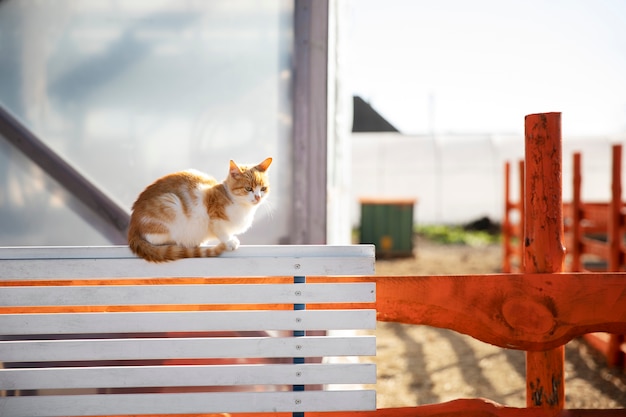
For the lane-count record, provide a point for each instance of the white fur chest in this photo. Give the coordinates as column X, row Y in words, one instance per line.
column 240, row 217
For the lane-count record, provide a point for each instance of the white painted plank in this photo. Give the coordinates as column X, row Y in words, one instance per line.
column 122, row 251
column 244, row 251
column 187, row 294
column 186, row 376
column 191, row 268
column 192, row 403
column 185, row 321
column 118, row 262
column 185, row 348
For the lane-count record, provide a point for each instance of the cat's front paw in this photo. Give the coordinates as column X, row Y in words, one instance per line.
column 232, row 243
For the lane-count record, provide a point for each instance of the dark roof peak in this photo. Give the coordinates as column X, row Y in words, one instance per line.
column 366, row 119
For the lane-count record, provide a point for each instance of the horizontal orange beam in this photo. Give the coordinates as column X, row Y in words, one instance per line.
column 520, row 311
column 475, row 407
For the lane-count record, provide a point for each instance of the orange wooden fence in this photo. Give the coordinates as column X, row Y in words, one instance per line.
column 513, row 228
column 594, row 238
column 537, row 311
column 594, row 231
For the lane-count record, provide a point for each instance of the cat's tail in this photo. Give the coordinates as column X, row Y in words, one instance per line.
column 167, row 253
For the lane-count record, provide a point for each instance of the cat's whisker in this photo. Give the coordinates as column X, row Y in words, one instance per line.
column 269, row 209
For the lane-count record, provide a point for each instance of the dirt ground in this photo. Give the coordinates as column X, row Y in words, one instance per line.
column 422, row 365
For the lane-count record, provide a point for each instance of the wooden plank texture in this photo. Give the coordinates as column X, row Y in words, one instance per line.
column 526, row 312
column 544, row 251
column 186, row 294
column 187, row 403
column 186, row 321
column 185, row 348
column 186, row 376
column 244, row 251
column 475, row 407
column 118, row 262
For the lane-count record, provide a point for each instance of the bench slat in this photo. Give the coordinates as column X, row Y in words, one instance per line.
column 65, row 356
column 185, row 321
column 187, row 294
column 186, row 376
column 251, row 261
column 185, row 348
column 189, row 268
column 244, row 251
column 189, row 403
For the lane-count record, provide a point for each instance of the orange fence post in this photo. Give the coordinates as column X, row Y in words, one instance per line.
column 614, row 355
column 615, row 211
column 507, row 230
column 577, row 213
column 522, row 215
column 511, row 230
column 543, row 241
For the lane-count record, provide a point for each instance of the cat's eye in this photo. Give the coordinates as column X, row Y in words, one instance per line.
column 264, row 189
column 249, row 189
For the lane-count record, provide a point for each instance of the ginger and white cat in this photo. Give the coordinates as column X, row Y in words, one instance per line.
column 177, row 213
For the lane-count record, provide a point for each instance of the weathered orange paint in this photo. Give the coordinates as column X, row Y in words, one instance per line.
column 616, row 219
column 575, row 247
column 537, row 311
column 475, row 407
column 604, row 219
column 522, row 214
column 507, row 225
column 512, row 231
column 615, row 355
column 483, row 306
column 544, row 250
column 543, row 229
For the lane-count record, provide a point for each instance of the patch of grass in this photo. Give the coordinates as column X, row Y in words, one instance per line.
column 447, row 234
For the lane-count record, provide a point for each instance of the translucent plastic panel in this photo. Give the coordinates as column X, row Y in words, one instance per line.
column 130, row 91
column 35, row 210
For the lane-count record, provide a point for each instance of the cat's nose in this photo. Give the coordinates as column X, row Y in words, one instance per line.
column 257, row 197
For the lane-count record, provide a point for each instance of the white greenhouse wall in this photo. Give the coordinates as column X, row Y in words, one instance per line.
column 459, row 178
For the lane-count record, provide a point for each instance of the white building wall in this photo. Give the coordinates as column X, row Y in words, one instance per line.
column 459, row 178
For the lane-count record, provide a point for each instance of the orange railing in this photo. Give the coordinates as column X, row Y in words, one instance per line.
column 594, row 237
column 538, row 310
column 588, row 221
column 513, row 228
column 594, row 231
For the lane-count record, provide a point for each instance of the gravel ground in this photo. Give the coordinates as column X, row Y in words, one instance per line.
column 422, row 365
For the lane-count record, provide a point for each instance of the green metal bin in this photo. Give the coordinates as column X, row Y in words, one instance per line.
column 388, row 224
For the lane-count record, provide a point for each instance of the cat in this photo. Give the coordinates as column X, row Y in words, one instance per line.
column 177, row 213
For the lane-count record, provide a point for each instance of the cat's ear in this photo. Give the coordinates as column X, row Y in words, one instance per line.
column 234, row 169
column 263, row 166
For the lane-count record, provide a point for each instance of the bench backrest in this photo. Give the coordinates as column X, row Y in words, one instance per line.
column 96, row 331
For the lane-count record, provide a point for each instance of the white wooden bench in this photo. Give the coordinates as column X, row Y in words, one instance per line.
column 97, row 331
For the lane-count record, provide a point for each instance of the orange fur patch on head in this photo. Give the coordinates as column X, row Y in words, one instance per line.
column 244, row 179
